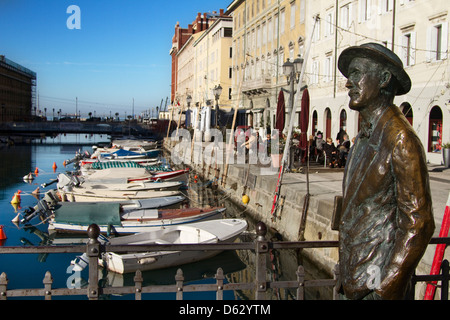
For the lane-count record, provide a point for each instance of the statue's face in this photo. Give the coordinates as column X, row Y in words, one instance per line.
column 363, row 83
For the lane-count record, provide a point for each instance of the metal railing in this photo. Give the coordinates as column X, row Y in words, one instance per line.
column 260, row 285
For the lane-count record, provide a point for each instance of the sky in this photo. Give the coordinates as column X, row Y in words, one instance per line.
column 119, row 58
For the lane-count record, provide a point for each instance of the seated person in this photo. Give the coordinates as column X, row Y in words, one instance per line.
column 331, row 153
column 344, row 149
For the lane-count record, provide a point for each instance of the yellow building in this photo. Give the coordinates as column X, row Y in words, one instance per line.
column 204, row 65
column 212, row 65
column 266, row 34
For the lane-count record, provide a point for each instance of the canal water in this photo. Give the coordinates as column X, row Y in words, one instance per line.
column 28, row 270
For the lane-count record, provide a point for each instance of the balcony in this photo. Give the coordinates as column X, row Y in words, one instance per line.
column 257, row 86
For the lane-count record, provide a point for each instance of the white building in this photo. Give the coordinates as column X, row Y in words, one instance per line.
column 416, row 30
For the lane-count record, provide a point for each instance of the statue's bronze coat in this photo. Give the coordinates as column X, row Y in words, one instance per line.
column 386, row 214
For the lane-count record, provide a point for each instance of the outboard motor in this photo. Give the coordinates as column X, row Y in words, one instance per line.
column 51, row 198
column 41, row 209
column 29, row 214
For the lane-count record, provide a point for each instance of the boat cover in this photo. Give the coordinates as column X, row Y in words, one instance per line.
column 121, row 153
column 88, row 213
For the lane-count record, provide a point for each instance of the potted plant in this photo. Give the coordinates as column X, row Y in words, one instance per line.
column 446, row 154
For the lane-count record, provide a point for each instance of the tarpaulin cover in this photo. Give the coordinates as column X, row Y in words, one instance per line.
column 88, row 213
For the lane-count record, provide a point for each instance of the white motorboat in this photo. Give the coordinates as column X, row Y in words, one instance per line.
column 113, row 195
column 76, row 217
column 127, row 143
column 72, row 189
column 75, row 184
column 126, row 175
column 213, row 231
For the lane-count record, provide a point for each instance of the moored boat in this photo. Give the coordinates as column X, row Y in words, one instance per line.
column 213, row 231
column 52, row 198
column 76, row 217
column 113, row 195
column 74, row 184
column 132, row 153
column 128, row 175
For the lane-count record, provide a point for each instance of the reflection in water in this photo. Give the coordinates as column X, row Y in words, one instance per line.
column 238, row 267
column 13, row 159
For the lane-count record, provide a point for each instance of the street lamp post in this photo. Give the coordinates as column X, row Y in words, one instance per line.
column 291, row 70
column 217, row 91
column 188, row 112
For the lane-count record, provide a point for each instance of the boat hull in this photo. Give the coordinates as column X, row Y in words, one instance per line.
column 161, row 260
column 73, row 196
column 129, row 175
column 145, row 261
column 137, row 186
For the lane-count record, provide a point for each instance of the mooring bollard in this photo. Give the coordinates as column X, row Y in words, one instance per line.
column 93, row 252
column 262, row 248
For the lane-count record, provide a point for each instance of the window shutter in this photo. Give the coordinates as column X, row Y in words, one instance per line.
column 444, row 43
column 412, row 58
column 360, row 10
column 369, row 9
column 429, row 43
column 402, row 48
column 350, row 14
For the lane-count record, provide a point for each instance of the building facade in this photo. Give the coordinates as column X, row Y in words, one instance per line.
column 213, row 52
column 204, row 63
column 266, row 34
column 180, row 37
column 17, row 91
column 416, row 30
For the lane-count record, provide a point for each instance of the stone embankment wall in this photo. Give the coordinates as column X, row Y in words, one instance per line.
column 259, row 184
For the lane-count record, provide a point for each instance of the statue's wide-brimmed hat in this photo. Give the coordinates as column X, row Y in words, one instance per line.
column 380, row 54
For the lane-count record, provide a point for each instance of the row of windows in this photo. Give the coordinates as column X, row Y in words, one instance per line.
column 269, row 29
column 436, row 51
column 254, row 8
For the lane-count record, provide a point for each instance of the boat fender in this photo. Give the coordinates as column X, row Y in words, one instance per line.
column 16, row 220
column 2, row 234
column 147, row 260
column 16, row 197
column 28, row 177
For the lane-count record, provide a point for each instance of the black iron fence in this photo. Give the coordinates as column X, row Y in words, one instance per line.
column 261, row 246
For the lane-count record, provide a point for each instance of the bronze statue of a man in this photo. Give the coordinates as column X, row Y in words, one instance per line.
column 386, row 219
